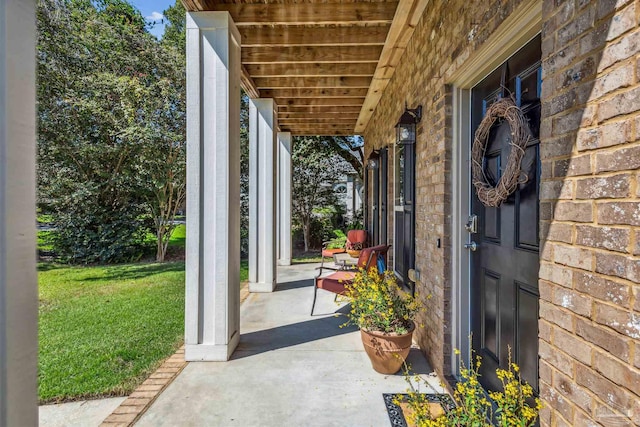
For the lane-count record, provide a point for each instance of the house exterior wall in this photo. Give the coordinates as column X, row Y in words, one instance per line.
column 589, row 328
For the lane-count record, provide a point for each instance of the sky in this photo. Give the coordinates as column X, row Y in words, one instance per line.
column 152, row 11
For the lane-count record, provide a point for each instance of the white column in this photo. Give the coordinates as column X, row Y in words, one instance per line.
column 212, row 317
column 18, row 280
column 262, row 195
column 284, row 198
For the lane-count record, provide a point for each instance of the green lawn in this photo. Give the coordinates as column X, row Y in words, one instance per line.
column 104, row 329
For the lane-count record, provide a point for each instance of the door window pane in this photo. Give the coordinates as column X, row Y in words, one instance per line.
column 399, row 175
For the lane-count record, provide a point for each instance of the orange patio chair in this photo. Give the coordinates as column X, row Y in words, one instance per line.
column 353, row 236
column 336, row 282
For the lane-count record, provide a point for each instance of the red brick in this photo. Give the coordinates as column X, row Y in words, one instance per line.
column 614, row 343
column 556, row 190
column 614, row 239
column 608, row 187
column 622, row 103
column 619, row 213
column 556, row 231
column 573, row 301
column 574, row 211
column 557, row 401
column 621, row 159
column 554, row 314
column 623, row 21
column 620, row 373
column 128, row 409
column 137, row 401
column 572, row 345
column 575, row 166
column 544, row 330
column 602, row 387
column 120, row 418
column 573, row 257
column 546, row 372
column 625, row 322
column 617, row 78
column 143, row 394
column 601, row 287
column 618, row 265
column 557, row 274
column 622, row 49
column 572, row 391
column 555, row 358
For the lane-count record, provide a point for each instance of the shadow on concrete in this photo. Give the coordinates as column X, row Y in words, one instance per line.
column 296, row 284
column 285, row 336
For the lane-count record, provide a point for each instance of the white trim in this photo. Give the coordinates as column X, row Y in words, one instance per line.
column 514, row 33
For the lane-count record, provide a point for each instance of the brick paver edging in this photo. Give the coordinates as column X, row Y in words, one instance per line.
column 141, row 399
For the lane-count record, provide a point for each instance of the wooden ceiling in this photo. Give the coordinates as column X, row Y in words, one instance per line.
column 326, row 63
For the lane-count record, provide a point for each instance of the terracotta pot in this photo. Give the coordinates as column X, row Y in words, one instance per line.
column 387, row 352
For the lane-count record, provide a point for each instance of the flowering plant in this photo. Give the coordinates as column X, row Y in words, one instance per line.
column 354, row 246
column 472, row 406
column 378, row 303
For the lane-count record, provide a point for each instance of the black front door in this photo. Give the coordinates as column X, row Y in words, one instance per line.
column 504, row 268
column 404, row 212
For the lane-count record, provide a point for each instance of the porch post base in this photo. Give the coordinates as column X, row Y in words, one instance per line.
column 262, row 287
column 284, row 261
column 211, row 352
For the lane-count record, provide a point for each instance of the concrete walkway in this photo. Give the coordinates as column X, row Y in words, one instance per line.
column 84, row 413
column 290, row 369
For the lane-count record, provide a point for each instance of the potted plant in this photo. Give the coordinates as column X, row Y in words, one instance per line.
column 384, row 314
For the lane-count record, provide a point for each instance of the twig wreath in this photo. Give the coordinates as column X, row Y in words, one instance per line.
column 506, row 109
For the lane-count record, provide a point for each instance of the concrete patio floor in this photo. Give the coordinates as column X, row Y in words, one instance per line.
column 289, row 369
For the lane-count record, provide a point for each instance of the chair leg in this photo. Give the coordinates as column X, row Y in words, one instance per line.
column 315, row 294
column 336, row 298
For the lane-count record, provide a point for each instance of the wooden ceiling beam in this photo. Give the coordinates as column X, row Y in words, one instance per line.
column 312, row 54
column 317, row 120
column 312, row 82
column 248, row 84
column 312, row 69
column 303, row 13
column 322, row 133
column 313, row 36
column 287, row 109
column 322, row 115
column 335, row 102
column 314, row 93
column 407, row 17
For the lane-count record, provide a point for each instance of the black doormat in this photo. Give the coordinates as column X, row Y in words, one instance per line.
column 395, row 411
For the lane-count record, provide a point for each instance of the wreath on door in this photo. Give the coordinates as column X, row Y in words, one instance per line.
column 490, row 195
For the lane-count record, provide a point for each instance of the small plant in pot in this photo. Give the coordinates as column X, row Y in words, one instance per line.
column 384, row 314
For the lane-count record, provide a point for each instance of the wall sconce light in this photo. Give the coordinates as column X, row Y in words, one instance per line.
column 406, row 127
column 373, row 163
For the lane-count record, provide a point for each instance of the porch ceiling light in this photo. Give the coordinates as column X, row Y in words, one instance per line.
column 406, row 127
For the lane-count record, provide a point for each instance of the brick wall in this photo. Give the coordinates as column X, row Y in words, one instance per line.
column 590, row 270
column 590, row 193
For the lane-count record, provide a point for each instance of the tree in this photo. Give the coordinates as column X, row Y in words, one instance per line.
column 110, row 110
column 316, row 166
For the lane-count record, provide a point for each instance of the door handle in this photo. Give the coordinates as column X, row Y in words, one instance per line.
column 472, row 246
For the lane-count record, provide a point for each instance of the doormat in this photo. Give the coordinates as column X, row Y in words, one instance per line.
column 439, row 404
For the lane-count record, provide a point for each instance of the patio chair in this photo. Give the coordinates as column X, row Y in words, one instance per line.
column 353, row 236
column 336, row 281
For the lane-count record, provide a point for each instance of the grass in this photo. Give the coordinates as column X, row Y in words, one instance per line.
column 103, row 330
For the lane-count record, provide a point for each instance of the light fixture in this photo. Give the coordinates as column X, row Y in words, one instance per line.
column 406, row 127
column 373, row 163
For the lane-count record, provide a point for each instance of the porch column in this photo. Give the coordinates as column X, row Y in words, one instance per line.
column 262, row 195
column 212, row 300
column 18, row 280
column 284, row 198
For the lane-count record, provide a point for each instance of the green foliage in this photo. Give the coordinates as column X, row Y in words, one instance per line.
column 378, row 303
column 110, row 129
column 339, row 241
column 316, row 167
column 103, row 330
column 512, row 404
